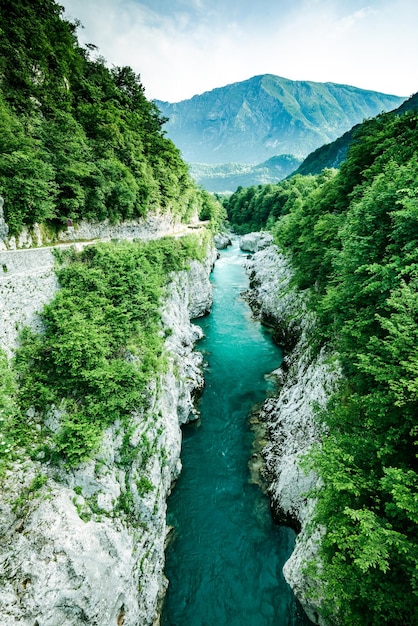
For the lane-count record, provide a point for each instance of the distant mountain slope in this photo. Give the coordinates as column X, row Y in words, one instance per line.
column 333, row 154
column 226, row 177
column 265, row 116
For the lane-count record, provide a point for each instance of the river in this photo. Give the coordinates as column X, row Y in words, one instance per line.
column 225, row 559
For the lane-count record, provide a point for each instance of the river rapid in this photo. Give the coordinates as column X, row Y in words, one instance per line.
column 225, row 557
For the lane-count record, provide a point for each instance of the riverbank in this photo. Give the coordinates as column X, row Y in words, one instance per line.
column 85, row 545
column 306, row 380
column 225, row 559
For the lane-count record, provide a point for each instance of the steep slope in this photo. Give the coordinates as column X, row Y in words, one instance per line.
column 333, row 154
column 352, row 244
column 83, row 543
column 79, row 141
column 104, row 370
column 267, row 115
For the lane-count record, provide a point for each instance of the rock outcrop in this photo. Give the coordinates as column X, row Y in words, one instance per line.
column 150, row 227
column 4, row 229
column 27, row 283
column 305, row 379
column 252, row 242
column 222, row 241
column 86, row 545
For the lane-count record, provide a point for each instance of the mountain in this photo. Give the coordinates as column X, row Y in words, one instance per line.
column 333, row 154
column 226, row 177
column 265, row 116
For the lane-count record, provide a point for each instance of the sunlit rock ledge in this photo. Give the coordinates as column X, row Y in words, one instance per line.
column 150, row 227
column 305, row 379
column 86, row 546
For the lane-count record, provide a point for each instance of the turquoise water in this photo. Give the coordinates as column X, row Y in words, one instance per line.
column 225, row 559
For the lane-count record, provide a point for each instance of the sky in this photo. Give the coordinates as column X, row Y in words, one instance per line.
column 182, row 48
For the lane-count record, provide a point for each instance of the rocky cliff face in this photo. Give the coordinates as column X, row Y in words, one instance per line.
column 86, row 546
column 149, row 227
column 305, row 380
column 27, row 277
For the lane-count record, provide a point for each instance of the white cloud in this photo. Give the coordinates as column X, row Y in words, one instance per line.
column 350, row 21
column 184, row 47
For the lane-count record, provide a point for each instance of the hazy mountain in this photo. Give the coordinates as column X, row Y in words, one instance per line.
column 265, row 116
column 226, row 177
column 334, row 153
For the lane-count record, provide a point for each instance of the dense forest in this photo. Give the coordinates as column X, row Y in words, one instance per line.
column 352, row 236
column 79, row 141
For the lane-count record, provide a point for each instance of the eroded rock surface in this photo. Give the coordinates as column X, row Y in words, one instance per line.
column 222, row 241
column 252, row 242
column 305, row 379
column 86, row 546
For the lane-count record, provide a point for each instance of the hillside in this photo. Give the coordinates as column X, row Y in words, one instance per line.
column 333, row 154
column 97, row 367
column 226, row 177
column 351, row 237
column 265, row 116
column 79, row 141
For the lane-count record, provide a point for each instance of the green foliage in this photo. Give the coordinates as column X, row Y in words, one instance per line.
column 79, row 141
column 212, row 210
column 21, row 504
column 38, row 52
column 354, row 245
column 8, row 412
column 26, row 177
column 313, row 227
column 102, row 342
column 144, row 486
column 257, row 208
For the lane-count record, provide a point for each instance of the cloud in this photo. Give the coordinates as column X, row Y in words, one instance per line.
column 184, row 47
column 350, row 21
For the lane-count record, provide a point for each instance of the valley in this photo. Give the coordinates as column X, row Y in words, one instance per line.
column 208, row 325
column 267, row 122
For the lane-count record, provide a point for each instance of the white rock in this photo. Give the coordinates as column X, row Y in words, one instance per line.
column 291, row 429
column 71, row 555
column 222, row 241
column 252, row 242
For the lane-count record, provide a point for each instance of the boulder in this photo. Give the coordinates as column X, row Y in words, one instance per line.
column 221, row 241
column 253, row 242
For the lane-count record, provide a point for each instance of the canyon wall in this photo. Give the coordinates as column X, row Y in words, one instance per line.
column 305, row 380
column 86, row 545
column 27, row 277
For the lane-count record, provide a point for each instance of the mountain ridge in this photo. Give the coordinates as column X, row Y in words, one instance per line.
column 226, row 177
column 331, row 155
column 282, row 78
column 264, row 116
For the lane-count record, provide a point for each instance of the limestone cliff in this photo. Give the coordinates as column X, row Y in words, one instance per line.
column 86, row 546
column 27, row 277
column 305, row 380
